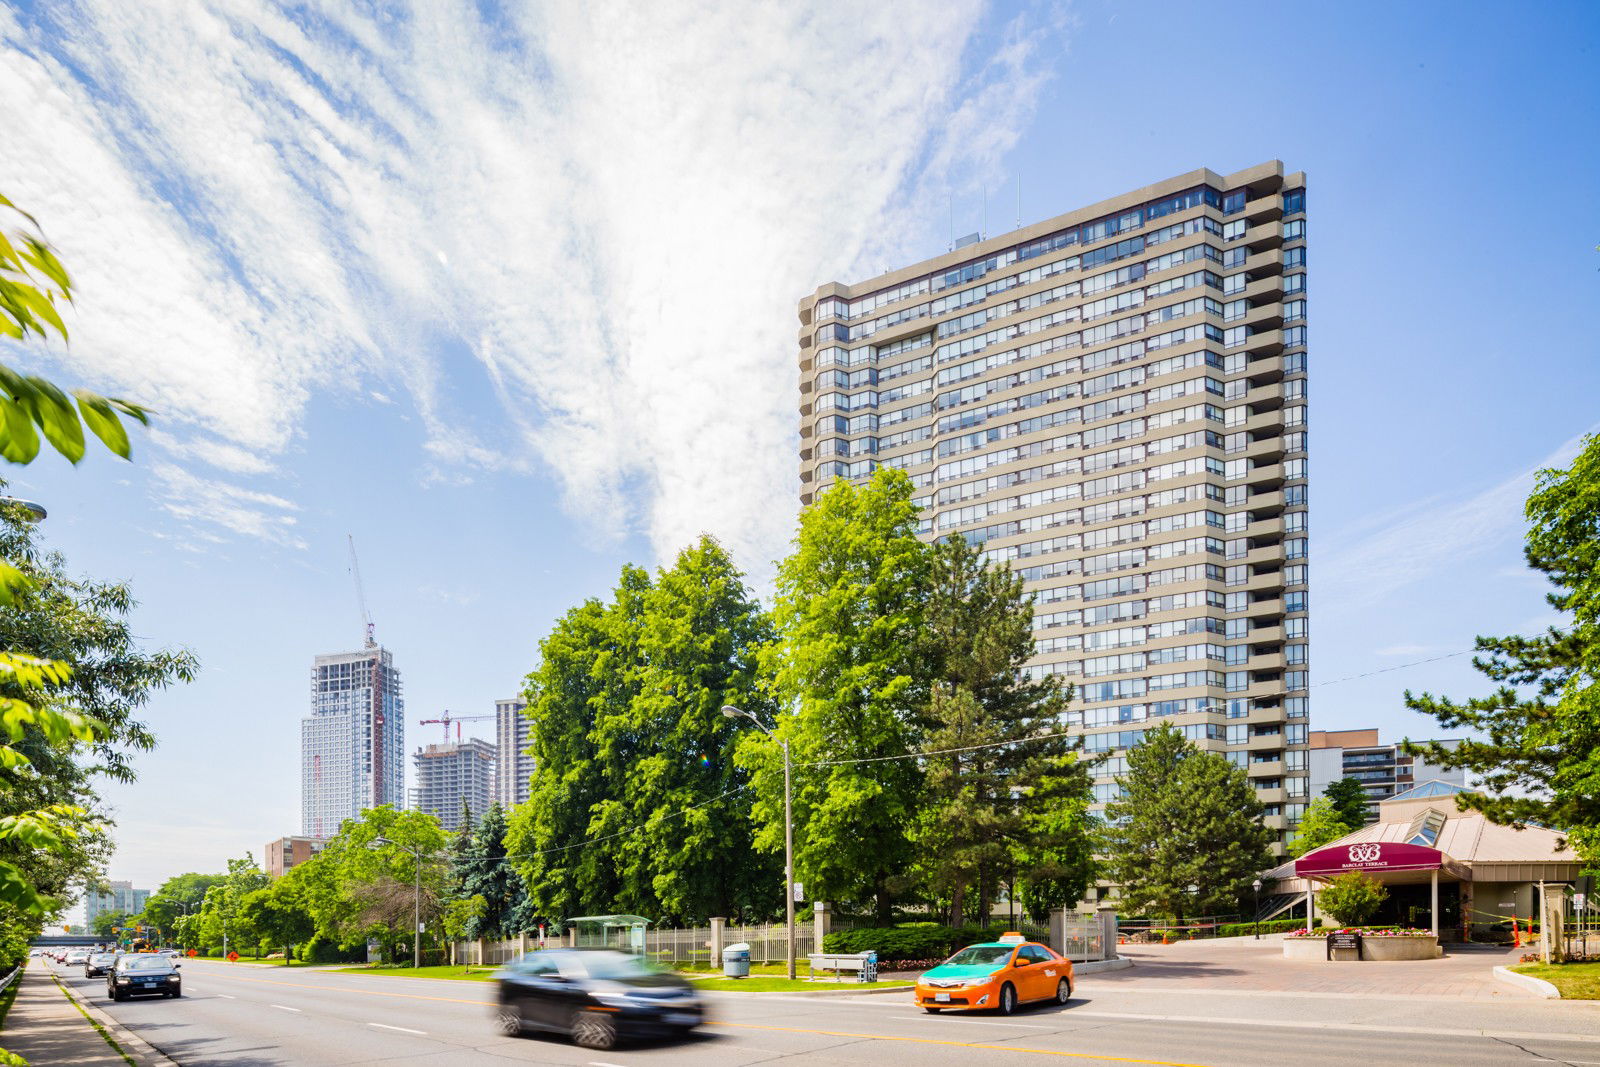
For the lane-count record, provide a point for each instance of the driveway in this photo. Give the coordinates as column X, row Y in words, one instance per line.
column 1245, row 965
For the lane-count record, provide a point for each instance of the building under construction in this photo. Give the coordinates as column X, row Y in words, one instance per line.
column 450, row 774
column 352, row 745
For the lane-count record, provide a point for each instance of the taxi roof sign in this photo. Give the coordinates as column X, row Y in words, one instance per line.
column 1011, row 937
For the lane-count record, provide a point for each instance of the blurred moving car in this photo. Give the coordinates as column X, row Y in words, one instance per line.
column 76, row 956
column 996, row 975
column 145, row 974
column 597, row 996
column 99, row 963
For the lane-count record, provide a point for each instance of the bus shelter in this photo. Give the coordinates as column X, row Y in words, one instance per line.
column 622, row 932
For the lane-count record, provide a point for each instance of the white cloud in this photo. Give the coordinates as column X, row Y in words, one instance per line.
column 206, row 502
column 613, row 207
column 1432, row 537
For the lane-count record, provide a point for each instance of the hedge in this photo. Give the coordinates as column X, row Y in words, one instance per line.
column 1271, row 926
column 908, row 941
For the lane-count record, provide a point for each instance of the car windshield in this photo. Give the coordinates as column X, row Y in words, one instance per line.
column 977, row 955
column 103, row 957
column 144, row 963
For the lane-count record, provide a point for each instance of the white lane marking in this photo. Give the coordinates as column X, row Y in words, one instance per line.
column 603, row 1063
column 976, row 1022
column 225, row 996
column 282, row 1007
column 1366, row 1028
column 402, row 1029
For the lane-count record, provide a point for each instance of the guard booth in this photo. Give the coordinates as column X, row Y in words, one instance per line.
column 625, row 933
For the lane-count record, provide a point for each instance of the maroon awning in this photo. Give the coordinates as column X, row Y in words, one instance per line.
column 1367, row 856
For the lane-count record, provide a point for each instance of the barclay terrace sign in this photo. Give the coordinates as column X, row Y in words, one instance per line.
column 1368, row 856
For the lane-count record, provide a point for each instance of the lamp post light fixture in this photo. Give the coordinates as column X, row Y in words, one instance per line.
column 788, row 827
column 1256, row 886
column 416, row 913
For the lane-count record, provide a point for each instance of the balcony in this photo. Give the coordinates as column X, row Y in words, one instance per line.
column 1269, row 769
column 1264, row 289
column 1261, row 264
column 1272, row 796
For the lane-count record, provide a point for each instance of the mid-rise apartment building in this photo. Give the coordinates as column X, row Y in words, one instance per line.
column 119, row 898
column 1383, row 770
column 450, row 774
column 288, row 852
column 1114, row 403
column 352, row 745
column 514, row 766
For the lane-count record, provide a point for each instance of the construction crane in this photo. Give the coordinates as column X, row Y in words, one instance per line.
column 361, row 595
column 446, row 719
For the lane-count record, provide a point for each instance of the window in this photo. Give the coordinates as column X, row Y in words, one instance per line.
column 1295, row 654
column 1236, row 629
column 1294, row 680
column 1296, row 707
column 1294, row 202
column 1299, row 627
column 1236, row 655
column 1238, row 309
column 1424, row 829
column 1234, row 283
column 1236, row 682
column 1236, row 602
column 1294, row 230
column 1294, row 257
column 1293, row 602
column 1238, row 733
column 1232, row 231
column 1233, row 203
column 1295, row 733
column 1294, row 283
column 1293, row 311
column 1295, row 575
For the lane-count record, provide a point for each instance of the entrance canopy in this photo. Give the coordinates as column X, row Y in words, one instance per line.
column 1368, row 856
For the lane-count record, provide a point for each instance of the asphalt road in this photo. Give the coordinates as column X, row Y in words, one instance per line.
column 256, row 1016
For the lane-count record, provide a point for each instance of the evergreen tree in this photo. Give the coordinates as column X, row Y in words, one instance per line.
column 1005, row 802
column 1320, row 824
column 1186, row 838
column 1538, row 755
column 486, row 874
column 847, row 671
column 1349, row 802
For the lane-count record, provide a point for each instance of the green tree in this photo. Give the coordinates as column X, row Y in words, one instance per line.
column 1536, row 739
column 106, row 921
column 1006, row 801
column 678, row 802
column 279, row 914
column 1319, row 825
column 167, row 904
column 487, row 875
column 1349, row 802
column 549, row 834
column 221, row 918
column 1351, row 898
column 849, row 612
column 1186, row 837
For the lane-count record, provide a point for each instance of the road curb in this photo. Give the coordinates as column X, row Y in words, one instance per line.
column 134, row 1045
column 1121, row 963
column 1537, row 986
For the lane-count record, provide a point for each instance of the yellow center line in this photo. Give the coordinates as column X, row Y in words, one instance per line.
column 960, row 1044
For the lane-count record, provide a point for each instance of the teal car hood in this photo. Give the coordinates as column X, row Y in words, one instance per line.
column 966, row 972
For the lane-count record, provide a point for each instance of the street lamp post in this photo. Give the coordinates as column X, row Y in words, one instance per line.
column 788, row 827
column 1256, row 886
column 416, row 911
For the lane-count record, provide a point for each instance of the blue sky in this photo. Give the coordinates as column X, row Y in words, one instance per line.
column 512, row 302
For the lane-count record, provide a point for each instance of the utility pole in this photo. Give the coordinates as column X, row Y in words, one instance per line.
column 788, row 826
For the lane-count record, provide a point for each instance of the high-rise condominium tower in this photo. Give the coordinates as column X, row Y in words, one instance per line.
column 1114, row 403
column 451, row 774
column 515, row 766
column 352, row 745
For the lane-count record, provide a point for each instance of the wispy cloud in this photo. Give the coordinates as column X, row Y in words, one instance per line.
column 209, row 503
column 612, row 208
column 1430, row 537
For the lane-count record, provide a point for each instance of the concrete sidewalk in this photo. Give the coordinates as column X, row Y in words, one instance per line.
column 45, row 1027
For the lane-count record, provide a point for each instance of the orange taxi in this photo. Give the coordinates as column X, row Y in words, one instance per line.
column 996, row 976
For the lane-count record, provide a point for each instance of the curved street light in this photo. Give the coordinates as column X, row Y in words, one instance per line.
column 416, row 924
column 788, row 827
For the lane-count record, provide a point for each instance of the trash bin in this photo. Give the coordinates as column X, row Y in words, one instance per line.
column 736, row 961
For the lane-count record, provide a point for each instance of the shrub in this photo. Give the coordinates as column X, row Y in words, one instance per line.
column 1351, row 898
column 321, row 950
column 1271, row 926
column 919, row 941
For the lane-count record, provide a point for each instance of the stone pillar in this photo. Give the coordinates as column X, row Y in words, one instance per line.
column 1311, row 908
column 1058, row 930
column 572, row 937
column 718, row 939
column 1433, row 903
column 483, row 952
column 1108, row 930
column 522, row 943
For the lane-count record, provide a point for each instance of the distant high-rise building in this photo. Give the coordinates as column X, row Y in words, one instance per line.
column 352, row 745
column 120, row 899
column 515, row 766
column 287, row 852
column 1383, row 770
column 450, row 773
column 1113, row 401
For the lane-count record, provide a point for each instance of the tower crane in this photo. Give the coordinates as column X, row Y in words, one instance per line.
column 361, row 594
column 446, row 719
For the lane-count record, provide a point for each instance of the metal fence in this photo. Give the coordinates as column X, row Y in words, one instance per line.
column 5, row 983
column 1082, row 938
column 1138, row 930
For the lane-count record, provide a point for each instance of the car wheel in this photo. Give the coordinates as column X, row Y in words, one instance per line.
column 1063, row 991
column 931, row 1011
column 1008, row 999
column 593, row 1029
column 508, row 1020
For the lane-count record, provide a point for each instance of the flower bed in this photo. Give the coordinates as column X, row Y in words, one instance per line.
column 1364, row 931
column 1377, row 944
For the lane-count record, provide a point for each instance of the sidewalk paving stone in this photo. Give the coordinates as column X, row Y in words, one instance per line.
column 48, row 1030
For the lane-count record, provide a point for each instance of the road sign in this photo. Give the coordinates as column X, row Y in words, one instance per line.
column 1578, row 900
column 233, row 957
column 799, row 892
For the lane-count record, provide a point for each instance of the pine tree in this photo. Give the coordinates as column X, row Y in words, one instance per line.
column 1006, row 801
column 1538, row 755
column 486, row 874
column 1186, row 838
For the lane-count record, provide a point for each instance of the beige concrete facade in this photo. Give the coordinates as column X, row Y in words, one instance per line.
column 1113, row 401
column 287, row 852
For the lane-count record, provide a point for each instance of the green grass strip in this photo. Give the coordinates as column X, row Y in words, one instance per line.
column 100, row 1029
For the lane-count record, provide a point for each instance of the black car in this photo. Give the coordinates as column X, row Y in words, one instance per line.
column 596, row 995
column 143, row 974
column 99, row 963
